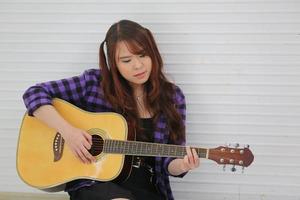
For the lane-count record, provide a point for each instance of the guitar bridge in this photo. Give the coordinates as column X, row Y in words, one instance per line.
column 58, row 146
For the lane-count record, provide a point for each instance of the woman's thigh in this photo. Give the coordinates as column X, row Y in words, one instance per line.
column 101, row 191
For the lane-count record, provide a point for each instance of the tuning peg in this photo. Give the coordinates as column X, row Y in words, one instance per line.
column 224, row 168
column 247, row 146
column 243, row 169
column 236, row 145
column 233, row 169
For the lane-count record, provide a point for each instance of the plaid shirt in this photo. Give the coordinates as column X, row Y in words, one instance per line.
column 85, row 92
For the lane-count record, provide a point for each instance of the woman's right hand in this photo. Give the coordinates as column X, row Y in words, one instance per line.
column 79, row 141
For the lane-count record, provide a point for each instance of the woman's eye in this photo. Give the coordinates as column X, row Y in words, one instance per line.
column 126, row 61
column 142, row 55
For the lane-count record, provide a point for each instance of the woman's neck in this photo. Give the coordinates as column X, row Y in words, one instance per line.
column 139, row 97
column 138, row 91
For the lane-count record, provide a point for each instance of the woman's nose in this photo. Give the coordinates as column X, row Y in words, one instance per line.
column 138, row 63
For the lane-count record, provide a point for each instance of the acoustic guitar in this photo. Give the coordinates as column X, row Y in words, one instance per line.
column 46, row 163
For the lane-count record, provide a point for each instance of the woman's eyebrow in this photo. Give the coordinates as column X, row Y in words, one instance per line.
column 125, row 57
column 140, row 52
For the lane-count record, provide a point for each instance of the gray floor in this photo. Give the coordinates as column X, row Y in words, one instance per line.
column 32, row 196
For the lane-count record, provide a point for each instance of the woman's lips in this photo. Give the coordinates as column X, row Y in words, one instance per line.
column 140, row 74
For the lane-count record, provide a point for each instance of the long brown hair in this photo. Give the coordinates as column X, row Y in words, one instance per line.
column 160, row 92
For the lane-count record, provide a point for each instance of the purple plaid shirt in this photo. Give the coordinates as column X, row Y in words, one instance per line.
column 85, row 92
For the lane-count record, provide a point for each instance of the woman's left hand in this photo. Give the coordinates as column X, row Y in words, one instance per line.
column 191, row 160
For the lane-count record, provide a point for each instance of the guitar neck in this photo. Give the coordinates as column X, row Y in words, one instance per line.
column 148, row 149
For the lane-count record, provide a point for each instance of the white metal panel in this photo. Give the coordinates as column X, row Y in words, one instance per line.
column 237, row 61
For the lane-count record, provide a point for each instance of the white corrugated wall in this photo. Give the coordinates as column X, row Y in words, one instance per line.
column 237, row 61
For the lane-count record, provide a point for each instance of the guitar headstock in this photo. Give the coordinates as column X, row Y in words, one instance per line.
column 235, row 156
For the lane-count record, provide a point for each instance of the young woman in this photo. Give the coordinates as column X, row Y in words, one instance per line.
column 131, row 82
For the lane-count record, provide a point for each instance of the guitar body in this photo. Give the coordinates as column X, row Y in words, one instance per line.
column 45, row 162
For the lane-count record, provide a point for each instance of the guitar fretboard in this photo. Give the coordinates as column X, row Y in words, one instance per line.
column 148, row 149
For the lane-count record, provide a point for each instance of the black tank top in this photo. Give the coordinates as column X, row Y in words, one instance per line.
column 146, row 135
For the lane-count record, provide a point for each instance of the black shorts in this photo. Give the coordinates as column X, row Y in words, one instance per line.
column 138, row 186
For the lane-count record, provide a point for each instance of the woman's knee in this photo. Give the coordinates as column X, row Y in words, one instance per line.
column 120, row 199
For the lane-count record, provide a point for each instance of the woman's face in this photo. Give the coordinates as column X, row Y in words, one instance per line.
column 136, row 69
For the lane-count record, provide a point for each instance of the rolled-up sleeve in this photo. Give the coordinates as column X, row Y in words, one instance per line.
column 69, row 89
column 181, row 108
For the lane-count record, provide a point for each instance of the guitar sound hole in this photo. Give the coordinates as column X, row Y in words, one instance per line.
column 97, row 145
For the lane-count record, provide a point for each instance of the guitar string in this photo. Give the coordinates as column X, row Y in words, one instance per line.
column 178, row 149
column 136, row 145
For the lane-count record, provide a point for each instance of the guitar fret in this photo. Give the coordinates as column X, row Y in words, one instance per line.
column 136, row 148
column 144, row 150
column 168, row 150
column 156, row 149
column 113, row 146
column 109, row 146
column 148, row 148
column 160, row 149
column 133, row 149
column 179, row 152
column 165, row 150
column 130, row 147
column 201, row 152
column 126, row 148
column 122, row 147
column 141, row 149
column 198, row 152
column 104, row 146
column 182, row 151
column 116, row 146
column 174, row 152
column 119, row 146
